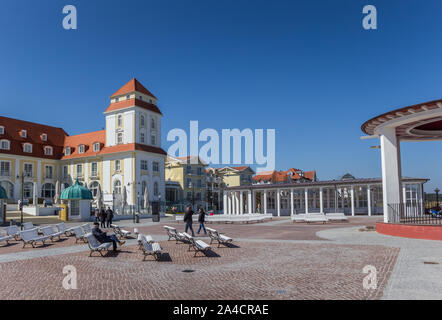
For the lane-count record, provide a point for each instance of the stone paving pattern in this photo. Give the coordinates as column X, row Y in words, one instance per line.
column 247, row 271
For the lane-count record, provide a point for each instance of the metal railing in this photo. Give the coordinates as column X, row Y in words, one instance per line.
column 412, row 213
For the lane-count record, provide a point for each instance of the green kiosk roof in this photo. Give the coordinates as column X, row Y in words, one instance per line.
column 76, row 192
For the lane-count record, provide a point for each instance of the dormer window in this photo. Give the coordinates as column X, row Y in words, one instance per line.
column 5, row 145
column 128, row 97
column 141, row 97
column 27, row 147
column 2, row 130
column 44, row 137
column 23, row 133
column 67, row 151
column 150, row 100
column 81, row 148
column 96, row 147
column 49, row 151
column 117, row 99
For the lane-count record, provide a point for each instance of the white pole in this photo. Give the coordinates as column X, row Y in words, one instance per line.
column 278, row 202
column 352, row 194
column 241, row 203
column 306, row 200
column 291, row 202
column 321, row 204
column 265, row 201
column 249, row 201
column 369, row 199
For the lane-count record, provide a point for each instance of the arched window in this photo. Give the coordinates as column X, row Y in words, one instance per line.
column 119, row 120
column 143, row 187
column 48, row 151
column 9, row 187
column 93, row 187
column 117, row 187
column 155, row 189
column 152, row 123
column 142, row 121
column 48, row 190
column 5, row 145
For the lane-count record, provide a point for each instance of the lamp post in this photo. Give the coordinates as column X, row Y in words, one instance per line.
column 22, row 178
column 437, row 196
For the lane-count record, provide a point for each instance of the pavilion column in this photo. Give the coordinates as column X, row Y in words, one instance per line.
column 342, row 199
column 391, row 169
column 265, row 201
column 352, row 196
column 421, row 198
column 369, row 200
column 321, row 204
column 249, row 201
column 306, row 200
column 291, row 202
column 404, row 193
column 225, row 202
column 357, row 197
column 278, row 202
column 241, row 202
column 236, row 203
column 328, row 199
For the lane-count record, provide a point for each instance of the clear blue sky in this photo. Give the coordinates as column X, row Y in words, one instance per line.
column 304, row 68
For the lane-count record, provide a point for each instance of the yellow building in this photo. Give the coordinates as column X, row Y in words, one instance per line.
column 185, row 180
column 236, row 176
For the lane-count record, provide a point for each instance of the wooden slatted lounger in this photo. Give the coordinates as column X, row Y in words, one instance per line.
column 31, row 237
column 197, row 245
column 96, row 246
column 219, row 237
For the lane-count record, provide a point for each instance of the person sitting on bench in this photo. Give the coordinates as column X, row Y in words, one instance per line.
column 102, row 237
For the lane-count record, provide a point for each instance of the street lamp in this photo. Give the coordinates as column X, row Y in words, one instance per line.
column 437, row 196
column 22, row 177
column 191, row 186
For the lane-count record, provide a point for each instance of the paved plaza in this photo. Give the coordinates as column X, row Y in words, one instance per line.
column 271, row 260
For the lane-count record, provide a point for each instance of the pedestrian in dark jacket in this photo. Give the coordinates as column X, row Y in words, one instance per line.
column 109, row 217
column 201, row 219
column 188, row 219
column 102, row 237
column 103, row 218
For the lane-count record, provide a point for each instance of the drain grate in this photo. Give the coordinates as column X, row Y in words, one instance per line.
column 430, row 262
column 188, row 270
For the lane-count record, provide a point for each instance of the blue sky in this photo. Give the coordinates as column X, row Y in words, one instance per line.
column 305, row 68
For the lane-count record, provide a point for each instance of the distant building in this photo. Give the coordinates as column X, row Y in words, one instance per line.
column 291, row 175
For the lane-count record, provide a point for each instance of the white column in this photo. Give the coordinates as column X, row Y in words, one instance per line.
column 357, row 196
column 229, row 202
column 369, row 200
column 391, row 169
column 265, row 201
column 328, row 199
column 404, row 193
column 352, row 194
column 241, row 202
column 278, row 202
column 249, row 201
column 225, row 202
column 253, row 202
column 306, row 200
column 291, row 202
column 321, row 203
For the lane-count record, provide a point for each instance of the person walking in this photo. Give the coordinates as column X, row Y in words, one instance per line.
column 103, row 218
column 109, row 217
column 201, row 219
column 188, row 219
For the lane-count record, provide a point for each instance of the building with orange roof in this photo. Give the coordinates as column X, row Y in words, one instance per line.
column 123, row 160
column 291, row 175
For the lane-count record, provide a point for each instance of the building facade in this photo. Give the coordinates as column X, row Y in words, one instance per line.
column 123, row 160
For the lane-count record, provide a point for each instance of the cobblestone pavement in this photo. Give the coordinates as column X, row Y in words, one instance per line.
column 274, row 260
column 248, row 271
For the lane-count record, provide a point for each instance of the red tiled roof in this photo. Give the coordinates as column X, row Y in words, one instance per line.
column 55, row 138
column 131, row 86
column 133, row 102
column 119, row 148
column 283, row 176
column 86, row 139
